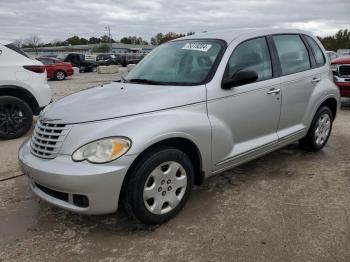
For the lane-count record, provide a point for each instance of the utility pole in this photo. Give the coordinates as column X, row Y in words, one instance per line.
column 108, row 28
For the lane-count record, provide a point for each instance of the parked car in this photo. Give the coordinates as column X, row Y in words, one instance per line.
column 108, row 59
column 127, row 59
column 56, row 69
column 341, row 72
column 23, row 91
column 332, row 55
column 82, row 61
column 193, row 108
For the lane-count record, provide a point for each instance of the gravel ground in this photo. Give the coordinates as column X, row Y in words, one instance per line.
column 287, row 206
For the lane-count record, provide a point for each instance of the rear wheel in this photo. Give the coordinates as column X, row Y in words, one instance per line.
column 16, row 117
column 160, row 186
column 320, row 130
column 60, row 75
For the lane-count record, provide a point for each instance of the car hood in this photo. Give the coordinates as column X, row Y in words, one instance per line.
column 342, row 60
column 120, row 99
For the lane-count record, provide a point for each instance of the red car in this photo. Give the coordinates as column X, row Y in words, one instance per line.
column 55, row 68
column 341, row 72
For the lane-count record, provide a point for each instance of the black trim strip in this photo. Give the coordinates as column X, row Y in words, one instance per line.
column 274, row 56
column 228, row 160
column 310, row 51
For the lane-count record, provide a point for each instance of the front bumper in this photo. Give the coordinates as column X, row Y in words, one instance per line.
column 101, row 183
column 70, row 72
column 344, row 85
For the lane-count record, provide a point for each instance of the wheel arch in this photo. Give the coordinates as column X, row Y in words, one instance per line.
column 23, row 94
column 332, row 104
column 184, row 144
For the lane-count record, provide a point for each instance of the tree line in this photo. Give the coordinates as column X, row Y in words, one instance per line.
column 34, row 41
column 340, row 40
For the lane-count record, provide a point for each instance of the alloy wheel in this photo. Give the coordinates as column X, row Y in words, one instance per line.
column 11, row 119
column 322, row 130
column 60, row 75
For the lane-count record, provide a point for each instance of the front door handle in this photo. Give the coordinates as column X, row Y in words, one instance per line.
column 316, row 79
column 273, row 91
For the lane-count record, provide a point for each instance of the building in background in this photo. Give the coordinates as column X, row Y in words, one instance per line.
column 118, row 48
column 343, row 52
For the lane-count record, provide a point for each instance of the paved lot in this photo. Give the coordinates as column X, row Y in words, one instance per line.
column 287, row 206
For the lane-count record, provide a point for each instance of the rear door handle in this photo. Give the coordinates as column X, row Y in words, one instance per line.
column 273, row 91
column 316, row 79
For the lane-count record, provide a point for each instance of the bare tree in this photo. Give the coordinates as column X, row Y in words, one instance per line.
column 34, row 42
column 18, row 42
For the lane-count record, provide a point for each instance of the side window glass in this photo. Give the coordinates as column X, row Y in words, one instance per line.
column 320, row 59
column 292, row 54
column 44, row 61
column 251, row 55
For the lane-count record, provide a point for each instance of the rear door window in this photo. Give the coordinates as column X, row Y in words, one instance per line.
column 292, row 54
column 320, row 59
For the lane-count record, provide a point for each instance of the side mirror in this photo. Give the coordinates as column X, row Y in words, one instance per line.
column 241, row 77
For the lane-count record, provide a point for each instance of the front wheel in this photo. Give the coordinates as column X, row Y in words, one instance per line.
column 159, row 187
column 320, row 130
column 16, row 117
column 60, row 75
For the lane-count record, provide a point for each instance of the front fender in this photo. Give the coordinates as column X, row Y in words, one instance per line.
column 144, row 130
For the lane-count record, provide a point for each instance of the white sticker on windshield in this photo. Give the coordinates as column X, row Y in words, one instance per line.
column 197, row 46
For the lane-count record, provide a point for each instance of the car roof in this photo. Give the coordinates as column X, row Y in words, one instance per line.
column 49, row 58
column 229, row 35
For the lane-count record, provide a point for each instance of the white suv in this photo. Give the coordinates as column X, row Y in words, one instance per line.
column 23, row 91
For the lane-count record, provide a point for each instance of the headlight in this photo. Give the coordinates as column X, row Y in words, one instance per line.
column 102, row 151
column 334, row 67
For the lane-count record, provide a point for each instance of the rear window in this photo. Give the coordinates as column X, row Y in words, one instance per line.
column 45, row 61
column 320, row 59
column 16, row 49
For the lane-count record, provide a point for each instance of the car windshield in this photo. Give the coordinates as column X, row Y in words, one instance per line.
column 184, row 62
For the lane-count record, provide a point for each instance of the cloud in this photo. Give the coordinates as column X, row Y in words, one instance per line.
column 59, row 19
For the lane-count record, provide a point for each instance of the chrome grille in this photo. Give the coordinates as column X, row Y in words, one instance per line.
column 344, row 70
column 47, row 139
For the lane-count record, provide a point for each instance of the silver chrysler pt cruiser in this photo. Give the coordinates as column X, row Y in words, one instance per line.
column 192, row 108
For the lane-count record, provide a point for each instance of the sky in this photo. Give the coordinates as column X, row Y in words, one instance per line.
column 59, row 19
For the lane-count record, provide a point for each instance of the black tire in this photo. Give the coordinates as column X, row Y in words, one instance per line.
column 133, row 199
column 309, row 142
column 60, row 75
column 90, row 69
column 16, row 117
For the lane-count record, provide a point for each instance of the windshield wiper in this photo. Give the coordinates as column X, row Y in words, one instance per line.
column 144, row 81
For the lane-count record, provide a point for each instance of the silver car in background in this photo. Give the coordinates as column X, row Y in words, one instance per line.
column 192, row 108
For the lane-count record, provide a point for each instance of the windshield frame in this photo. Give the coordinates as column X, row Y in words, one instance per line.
column 211, row 72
